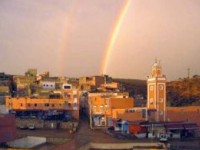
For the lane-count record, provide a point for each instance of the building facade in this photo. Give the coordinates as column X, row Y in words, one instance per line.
column 91, row 83
column 156, row 93
column 101, row 108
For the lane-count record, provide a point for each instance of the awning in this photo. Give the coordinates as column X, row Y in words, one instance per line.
column 174, row 126
column 191, row 126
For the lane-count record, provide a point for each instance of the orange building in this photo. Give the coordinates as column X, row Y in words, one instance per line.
column 101, row 108
column 187, row 114
column 36, row 104
column 28, row 106
column 89, row 83
column 156, row 92
column 130, row 114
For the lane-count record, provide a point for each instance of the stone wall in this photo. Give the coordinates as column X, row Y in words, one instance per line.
column 41, row 124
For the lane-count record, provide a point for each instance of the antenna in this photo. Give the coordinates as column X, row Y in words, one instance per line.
column 188, row 83
column 156, row 60
column 188, row 73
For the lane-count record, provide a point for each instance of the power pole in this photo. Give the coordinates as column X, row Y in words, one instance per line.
column 188, row 73
column 188, row 83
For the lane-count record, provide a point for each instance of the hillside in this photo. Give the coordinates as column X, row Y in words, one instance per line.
column 135, row 82
column 133, row 86
column 184, row 91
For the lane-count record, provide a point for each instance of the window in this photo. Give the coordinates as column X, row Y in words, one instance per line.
column 94, row 108
column 151, row 88
column 29, row 105
column 101, row 108
column 151, row 100
column 161, row 87
column 53, row 105
column 46, row 105
column 21, row 104
column 35, row 105
column 161, row 112
column 143, row 113
column 67, row 87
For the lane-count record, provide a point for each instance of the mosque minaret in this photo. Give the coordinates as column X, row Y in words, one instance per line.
column 156, row 92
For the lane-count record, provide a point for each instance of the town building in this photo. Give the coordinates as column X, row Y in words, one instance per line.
column 91, row 83
column 46, row 107
column 186, row 114
column 31, row 72
column 5, row 83
column 155, row 109
column 101, row 107
column 23, row 84
column 156, row 92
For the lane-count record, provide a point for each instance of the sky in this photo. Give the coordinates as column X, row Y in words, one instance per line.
column 70, row 38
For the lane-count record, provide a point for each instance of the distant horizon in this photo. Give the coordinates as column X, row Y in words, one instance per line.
column 114, row 77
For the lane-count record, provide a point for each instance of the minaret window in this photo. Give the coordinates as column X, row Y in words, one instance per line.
column 151, row 100
column 161, row 87
column 151, row 88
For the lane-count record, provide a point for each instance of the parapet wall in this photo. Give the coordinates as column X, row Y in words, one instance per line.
column 41, row 124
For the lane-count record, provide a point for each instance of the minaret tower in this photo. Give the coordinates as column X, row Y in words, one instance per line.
column 156, row 92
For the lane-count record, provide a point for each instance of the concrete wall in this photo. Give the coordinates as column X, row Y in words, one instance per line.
column 47, row 124
column 27, row 142
column 187, row 113
column 7, row 128
column 3, row 109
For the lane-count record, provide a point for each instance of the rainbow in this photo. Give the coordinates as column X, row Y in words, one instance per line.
column 62, row 50
column 114, row 35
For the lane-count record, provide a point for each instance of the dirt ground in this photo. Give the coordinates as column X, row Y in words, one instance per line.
column 85, row 135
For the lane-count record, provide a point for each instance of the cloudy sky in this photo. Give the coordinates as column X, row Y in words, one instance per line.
column 69, row 38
